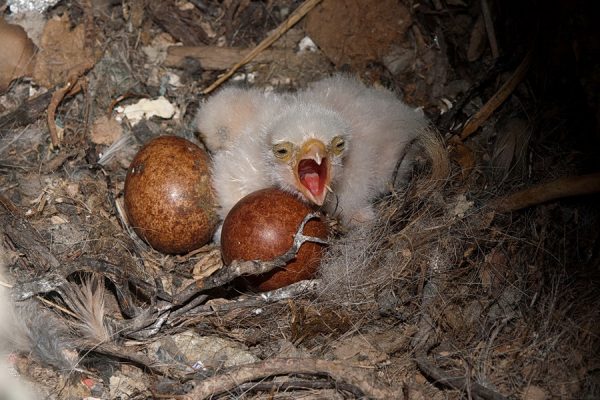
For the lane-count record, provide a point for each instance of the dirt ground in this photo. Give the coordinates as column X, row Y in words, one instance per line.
column 486, row 287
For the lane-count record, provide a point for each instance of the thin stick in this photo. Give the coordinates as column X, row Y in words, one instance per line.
column 43, row 300
column 456, row 382
column 562, row 187
column 489, row 28
column 123, row 353
column 287, row 387
column 253, row 267
column 51, row 304
column 6, row 285
column 276, row 34
column 497, row 99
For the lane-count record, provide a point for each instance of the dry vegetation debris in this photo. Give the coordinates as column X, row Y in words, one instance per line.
column 483, row 287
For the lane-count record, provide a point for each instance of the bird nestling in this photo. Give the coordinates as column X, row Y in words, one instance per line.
column 336, row 144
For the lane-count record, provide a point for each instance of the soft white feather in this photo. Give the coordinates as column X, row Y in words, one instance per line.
column 382, row 126
column 87, row 303
column 232, row 111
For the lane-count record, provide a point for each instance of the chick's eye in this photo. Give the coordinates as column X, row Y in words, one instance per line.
column 338, row 144
column 283, row 151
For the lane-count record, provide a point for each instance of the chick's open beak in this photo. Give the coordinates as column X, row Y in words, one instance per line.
column 312, row 170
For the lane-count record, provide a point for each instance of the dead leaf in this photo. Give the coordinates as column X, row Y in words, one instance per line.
column 61, row 49
column 207, row 265
column 510, row 149
column 477, row 40
column 464, row 157
column 58, row 220
column 17, row 53
column 358, row 349
column 461, row 206
column 105, row 131
column 534, row 393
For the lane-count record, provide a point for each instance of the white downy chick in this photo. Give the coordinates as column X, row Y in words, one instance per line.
column 382, row 126
column 338, row 136
column 231, row 111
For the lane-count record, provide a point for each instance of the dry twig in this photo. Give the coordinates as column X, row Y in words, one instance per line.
column 72, row 86
column 25, row 238
column 562, row 187
column 219, row 58
column 489, row 27
column 497, row 99
column 276, row 34
column 288, row 386
column 456, row 382
column 368, row 385
column 195, row 308
column 254, row 267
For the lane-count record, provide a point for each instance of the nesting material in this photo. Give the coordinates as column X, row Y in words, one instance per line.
column 375, row 258
column 28, row 327
column 438, row 295
column 20, row 6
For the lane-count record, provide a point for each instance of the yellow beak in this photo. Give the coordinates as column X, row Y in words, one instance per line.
column 312, row 170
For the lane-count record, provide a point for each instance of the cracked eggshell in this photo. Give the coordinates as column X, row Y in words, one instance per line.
column 148, row 108
column 261, row 226
column 168, row 195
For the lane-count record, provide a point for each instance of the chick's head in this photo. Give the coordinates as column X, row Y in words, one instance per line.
column 306, row 146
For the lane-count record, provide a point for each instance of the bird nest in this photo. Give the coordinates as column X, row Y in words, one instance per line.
column 482, row 285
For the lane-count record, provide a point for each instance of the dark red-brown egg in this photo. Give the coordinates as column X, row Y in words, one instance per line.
column 261, row 226
column 168, row 195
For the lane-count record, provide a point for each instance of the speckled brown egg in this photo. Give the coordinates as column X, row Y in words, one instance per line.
column 261, row 226
column 168, row 195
